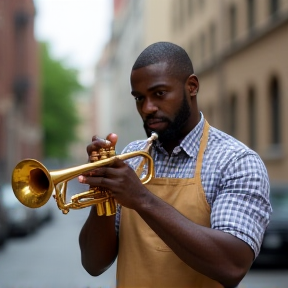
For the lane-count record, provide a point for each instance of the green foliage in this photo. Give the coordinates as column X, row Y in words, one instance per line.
column 59, row 115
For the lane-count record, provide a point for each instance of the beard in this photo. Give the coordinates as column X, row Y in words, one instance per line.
column 173, row 131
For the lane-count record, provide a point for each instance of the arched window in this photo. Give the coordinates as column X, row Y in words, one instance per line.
column 252, row 118
column 275, row 112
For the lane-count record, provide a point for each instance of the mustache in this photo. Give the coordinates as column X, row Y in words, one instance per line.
column 150, row 119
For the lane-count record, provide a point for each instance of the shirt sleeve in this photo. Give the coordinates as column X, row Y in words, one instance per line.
column 242, row 207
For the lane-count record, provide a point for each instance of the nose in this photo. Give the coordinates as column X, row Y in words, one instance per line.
column 148, row 106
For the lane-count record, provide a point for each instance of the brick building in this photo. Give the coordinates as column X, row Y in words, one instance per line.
column 20, row 131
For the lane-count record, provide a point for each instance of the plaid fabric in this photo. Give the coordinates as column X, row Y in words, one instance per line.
column 233, row 176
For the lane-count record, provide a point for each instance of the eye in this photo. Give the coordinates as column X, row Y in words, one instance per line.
column 160, row 93
column 138, row 98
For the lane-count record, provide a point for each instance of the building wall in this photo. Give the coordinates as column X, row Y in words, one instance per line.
column 238, row 49
column 232, row 64
column 20, row 132
column 117, row 113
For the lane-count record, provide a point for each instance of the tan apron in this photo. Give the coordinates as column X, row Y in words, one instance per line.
column 144, row 260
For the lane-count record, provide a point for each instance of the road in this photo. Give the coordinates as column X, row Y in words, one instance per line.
column 50, row 258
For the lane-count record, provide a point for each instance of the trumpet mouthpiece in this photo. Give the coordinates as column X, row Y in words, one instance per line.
column 154, row 136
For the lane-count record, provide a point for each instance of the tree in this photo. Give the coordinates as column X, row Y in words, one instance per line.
column 59, row 115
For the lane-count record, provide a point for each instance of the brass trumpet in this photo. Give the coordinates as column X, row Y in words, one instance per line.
column 33, row 184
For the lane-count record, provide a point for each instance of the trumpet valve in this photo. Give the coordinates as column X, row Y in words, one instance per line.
column 100, row 209
column 111, row 152
column 108, row 206
column 94, row 156
column 103, row 154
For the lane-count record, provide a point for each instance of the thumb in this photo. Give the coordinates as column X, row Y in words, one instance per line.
column 113, row 138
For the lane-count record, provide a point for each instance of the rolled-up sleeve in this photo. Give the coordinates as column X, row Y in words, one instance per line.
column 242, row 207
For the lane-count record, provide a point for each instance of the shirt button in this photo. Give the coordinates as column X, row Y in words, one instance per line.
column 177, row 150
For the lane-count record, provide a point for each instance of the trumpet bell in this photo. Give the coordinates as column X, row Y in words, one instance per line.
column 31, row 183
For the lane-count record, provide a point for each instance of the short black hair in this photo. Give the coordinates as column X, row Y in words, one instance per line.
column 176, row 57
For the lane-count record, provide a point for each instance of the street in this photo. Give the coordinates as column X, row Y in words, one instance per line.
column 50, row 258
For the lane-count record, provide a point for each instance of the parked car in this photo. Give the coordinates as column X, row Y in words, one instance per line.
column 21, row 219
column 274, row 249
column 4, row 227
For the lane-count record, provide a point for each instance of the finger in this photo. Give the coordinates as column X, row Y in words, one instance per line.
column 117, row 163
column 101, row 172
column 101, row 143
column 91, row 173
column 113, row 138
column 104, row 170
column 90, row 180
column 97, row 144
column 96, row 181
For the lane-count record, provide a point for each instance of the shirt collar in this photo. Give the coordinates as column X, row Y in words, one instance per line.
column 190, row 144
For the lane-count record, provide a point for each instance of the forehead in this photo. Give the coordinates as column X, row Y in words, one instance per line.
column 152, row 75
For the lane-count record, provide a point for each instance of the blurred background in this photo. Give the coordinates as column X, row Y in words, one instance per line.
column 64, row 76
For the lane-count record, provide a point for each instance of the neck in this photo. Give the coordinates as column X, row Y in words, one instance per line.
column 171, row 144
column 169, row 147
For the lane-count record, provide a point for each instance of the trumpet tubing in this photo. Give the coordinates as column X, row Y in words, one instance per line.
column 33, row 184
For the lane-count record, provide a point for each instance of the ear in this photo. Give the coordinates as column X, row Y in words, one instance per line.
column 193, row 85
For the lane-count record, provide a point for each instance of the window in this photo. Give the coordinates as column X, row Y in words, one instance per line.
column 233, row 22
column 21, row 82
column 181, row 13
column 177, row 16
column 212, row 40
column 275, row 112
column 190, row 8
column 175, row 12
column 251, row 14
column 274, row 6
column 191, row 50
column 201, row 4
column 202, row 45
column 252, row 119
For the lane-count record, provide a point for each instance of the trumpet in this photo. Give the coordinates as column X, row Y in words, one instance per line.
column 33, row 184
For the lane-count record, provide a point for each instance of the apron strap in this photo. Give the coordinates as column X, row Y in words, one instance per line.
column 203, row 144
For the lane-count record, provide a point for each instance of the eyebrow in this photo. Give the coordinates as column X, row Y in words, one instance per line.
column 134, row 93
column 154, row 87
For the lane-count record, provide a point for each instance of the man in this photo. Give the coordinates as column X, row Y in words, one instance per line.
column 200, row 221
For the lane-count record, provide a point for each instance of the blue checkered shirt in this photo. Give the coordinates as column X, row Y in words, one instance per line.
column 234, row 179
